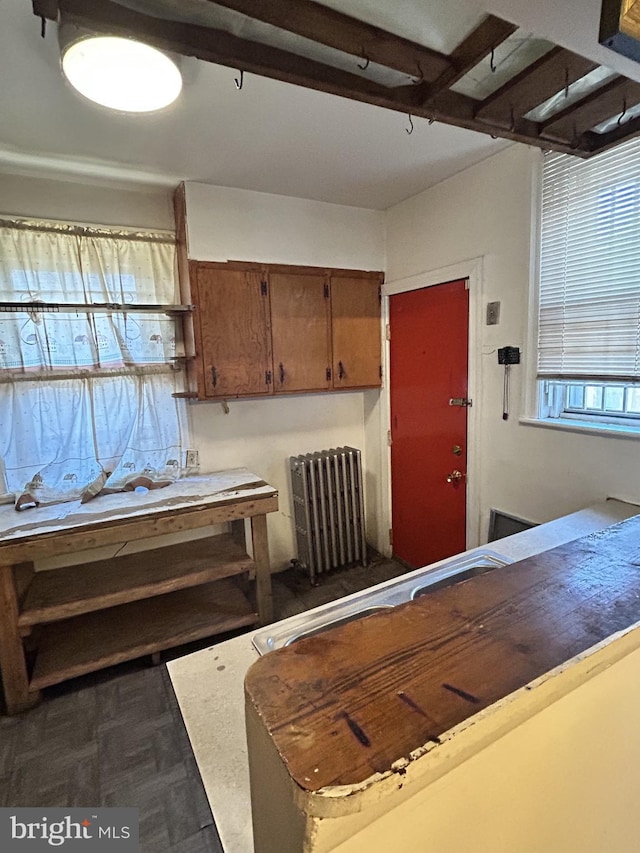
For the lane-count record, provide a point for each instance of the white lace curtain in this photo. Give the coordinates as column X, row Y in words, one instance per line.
column 83, row 396
column 58, row 266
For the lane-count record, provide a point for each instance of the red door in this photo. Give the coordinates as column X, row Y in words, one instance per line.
column 428, row 368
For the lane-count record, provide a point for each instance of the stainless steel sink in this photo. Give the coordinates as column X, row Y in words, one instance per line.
column 377, row 599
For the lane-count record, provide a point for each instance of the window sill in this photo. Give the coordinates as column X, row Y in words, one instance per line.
column 585, row 427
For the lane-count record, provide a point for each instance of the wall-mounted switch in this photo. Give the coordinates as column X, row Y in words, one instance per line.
column 193, row 459
column 493, row 313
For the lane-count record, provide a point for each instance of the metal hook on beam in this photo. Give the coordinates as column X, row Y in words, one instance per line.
column 409, row 129
column 566, row 82
column 239, row 81
column 366, row 62
column 492, row 64
column 420, row 79
column 43, row 27
column 624, row 111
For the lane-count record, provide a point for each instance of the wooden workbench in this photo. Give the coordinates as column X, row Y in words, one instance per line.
column 85, row 617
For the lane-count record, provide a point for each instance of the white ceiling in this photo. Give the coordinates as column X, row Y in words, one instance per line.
column 270, row 136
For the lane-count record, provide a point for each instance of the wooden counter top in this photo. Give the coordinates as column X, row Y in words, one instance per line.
column 349, row 703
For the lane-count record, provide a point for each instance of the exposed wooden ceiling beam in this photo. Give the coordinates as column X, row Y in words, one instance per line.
column 47, row 9
column 598, row 142
column 534, row 85
column 342, row 32
column 223, row 48
column 603, row 103
column 472, row 50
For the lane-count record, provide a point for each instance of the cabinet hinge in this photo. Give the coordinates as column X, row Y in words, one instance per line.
column 380, row 371
column 263, row 288
column 326, row 291
column 389, row 439
column 390, row 536
column 267, row 377
column 388, row 332
column 328, row 373
column 380, row 293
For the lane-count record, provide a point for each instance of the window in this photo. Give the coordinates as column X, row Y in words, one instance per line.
column 588, row 366
column 86, row 395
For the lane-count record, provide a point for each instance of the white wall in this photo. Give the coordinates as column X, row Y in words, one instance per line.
column 86, row 203
column 229, row 224
column 240, row 225
column 487, row 211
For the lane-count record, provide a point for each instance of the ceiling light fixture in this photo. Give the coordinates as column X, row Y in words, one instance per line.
column 120, row 73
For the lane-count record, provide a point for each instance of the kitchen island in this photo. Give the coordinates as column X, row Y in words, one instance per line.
column 208, row 686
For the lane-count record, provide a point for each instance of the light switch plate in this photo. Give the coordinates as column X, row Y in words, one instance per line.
column 493, row 313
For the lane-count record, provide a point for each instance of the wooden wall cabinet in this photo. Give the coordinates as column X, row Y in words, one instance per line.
column 300, row 330
column 232, row 331
column 262, row 330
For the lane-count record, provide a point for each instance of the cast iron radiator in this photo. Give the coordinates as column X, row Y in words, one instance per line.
column 328, row 504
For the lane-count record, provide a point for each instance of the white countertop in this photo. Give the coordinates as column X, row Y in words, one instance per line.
column 209, row 684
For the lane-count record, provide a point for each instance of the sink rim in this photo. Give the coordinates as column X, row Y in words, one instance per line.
column 386, row 595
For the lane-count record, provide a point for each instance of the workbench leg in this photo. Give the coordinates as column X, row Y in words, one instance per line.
column 12, row 660
column 263, row 568
column 239, row 536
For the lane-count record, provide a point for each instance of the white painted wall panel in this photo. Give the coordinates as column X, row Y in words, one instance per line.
column 232, row 224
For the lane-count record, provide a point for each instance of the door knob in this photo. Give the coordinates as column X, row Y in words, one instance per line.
column 455, row 476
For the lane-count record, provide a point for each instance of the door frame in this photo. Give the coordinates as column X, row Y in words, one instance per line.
column 472, row 270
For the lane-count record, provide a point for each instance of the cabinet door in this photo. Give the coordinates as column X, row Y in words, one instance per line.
column 300, row 332
column 233, row 312
column 355, row 311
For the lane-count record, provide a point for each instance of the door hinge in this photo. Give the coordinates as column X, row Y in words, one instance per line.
column 388, row 332
column 389, row 438
column 328, row 373
column 460, row 401
column 267, row 377
column 263, row 288
column 326, row 291
column 380, row 293
column 380, row 371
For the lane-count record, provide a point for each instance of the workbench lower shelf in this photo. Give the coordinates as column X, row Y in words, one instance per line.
column 73, row 590
column 82, row 644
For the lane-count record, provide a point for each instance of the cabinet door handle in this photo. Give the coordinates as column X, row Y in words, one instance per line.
column 281, row 373
column 214, row 376
column 341, row 370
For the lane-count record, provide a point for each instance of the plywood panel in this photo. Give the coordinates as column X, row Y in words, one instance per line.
column 233, row 318
column 300, row 332
column 355, row 311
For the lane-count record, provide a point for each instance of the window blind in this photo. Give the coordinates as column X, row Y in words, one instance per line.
column 589, row 297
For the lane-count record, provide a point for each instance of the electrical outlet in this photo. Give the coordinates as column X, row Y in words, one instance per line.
column 193, row 459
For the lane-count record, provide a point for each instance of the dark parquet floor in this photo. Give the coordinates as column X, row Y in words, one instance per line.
column 116, row 737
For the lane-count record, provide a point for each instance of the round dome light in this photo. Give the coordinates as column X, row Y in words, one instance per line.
column 122, row 74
